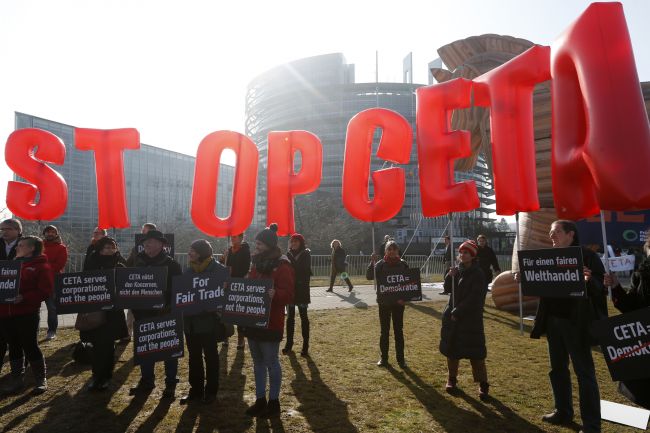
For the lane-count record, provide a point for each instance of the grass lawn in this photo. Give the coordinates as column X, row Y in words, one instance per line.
column 338, row 390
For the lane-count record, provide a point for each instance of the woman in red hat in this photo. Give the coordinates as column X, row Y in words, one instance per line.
column 462, row 335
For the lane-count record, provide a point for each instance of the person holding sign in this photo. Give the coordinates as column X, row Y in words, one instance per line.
column 19, row 321
column 105, row 256
column 462, row 335
column 566, row 323
column 237, row 259
column 339, row 265
column 637, row 297
column 300, row 257
column 264, row 344
column 154, row 255
column 11, row 230
column 202, row 332
column 395, row 310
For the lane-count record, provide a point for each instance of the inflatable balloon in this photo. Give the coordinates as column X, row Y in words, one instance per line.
column 438, row 147
column 109, row 146
column 601, row 137
column 283, row 184
column 389, row 183
column 508, row 91
column 26, row 153
column 206, row 175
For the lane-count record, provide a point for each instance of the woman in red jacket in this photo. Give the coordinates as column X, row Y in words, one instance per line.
column 19, row 321
column 264, row 344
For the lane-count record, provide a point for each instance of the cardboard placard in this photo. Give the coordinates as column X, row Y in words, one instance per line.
column 140, row 288
column 620, row 263
column 157, row 338
column 197, row 293
column 9, row 280
column 84, row 292
column 625, row 343
column 169, row 248
column 247, row 302
column 402, row 285
column 552, row 272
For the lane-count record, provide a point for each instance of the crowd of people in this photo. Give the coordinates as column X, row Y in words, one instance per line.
column 564, row 321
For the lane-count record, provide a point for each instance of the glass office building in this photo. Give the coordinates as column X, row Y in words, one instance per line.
column 158, row 185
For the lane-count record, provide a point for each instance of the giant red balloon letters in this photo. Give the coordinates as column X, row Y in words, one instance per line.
column 600, row 136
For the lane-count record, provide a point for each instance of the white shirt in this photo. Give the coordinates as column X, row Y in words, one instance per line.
column 8, row 247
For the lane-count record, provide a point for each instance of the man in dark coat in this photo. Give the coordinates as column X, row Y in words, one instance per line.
column 300, row 257
column 487, row 260
column 11, row 229
column 154, row 255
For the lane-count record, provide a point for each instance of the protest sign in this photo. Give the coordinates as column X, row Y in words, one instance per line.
column 169, row 248
column 625, row 343
column 84, row 292
column 247, row 302
column 196, row 293
column 620, row 263
column 552, row 272
column 403, row 285
column 140, row 288
column 9, row 280
column 158, row 338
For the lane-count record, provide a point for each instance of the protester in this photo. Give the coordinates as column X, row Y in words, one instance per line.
column 264, row 343
column 112, row 327
column 300, row 257
column 154, row 255
column 566, row 323
column 339, row 265
column 11, row 231
column 57, row 256
column 97, row 235
column 637, row 297
column 446, row 262
column 19, row 321
column 387, row 310
column 462, row 335
column 487, row 259
column 237, row 259
column 202, row 332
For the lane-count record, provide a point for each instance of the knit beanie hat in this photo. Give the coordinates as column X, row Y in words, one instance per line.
column 269, row 236
column 203, row 248
column 470, row 247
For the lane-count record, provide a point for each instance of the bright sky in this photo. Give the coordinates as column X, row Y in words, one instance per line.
column 177, row 71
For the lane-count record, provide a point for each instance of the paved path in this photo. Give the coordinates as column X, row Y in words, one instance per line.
column 361, row 297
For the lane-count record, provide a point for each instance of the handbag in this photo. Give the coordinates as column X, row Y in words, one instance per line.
column 90, row 321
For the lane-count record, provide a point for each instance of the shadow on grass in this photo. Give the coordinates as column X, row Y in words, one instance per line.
column 426, row 309
column 273, row 425
column 493, row 416
column 353, row 300
column 320, row 406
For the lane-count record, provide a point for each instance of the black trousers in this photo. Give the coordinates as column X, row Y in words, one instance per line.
column 333, row 278
column 396, row 312
column 3, row 349
column 200, row 346
column 21, row 334
column 291, row 324
column 103, row 353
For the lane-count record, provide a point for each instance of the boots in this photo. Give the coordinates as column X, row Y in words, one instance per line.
column 258, row 408
column 17, row 379
column 451, row 384
column 39, row 369
column 483, row 390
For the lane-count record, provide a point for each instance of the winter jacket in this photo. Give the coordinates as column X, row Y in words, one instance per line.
column 384, row 267
column 173, row 269
column 580, row 311
column 301, row 262
column 487, row 260
column 57, row 255
column 3, row 251
column 207, row 322
column 465, row 336
column 338, row 260
column 36, row 285
column 282, row 274
column 239, row 262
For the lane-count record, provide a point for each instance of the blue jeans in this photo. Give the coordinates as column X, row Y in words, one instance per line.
column 265, row 359
column 171, row 369
column 566, row 341
column 52, row 318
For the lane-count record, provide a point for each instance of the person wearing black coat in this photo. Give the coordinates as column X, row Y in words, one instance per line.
column 97, row 235
column 487, row 259
column 105, row 256
column 637, row 297
column 462, row 335
column 339, row 265
column 566, row 323
column 237, row 259
column 300, row 257
column 390, row 264
column 11, row 230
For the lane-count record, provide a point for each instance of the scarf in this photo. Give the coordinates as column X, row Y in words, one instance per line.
column 201, row 266
column 392, row 261
column 267, row 261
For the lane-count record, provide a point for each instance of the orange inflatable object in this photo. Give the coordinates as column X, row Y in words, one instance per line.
column 505, row 295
